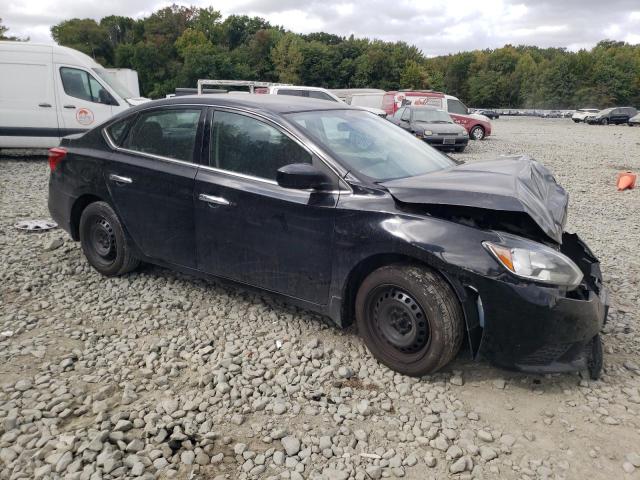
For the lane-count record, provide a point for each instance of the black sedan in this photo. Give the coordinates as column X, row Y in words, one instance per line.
column 341, row 213
column 614, row 116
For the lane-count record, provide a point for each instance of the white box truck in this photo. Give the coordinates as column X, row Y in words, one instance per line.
column 49, row 91
column 128, row 78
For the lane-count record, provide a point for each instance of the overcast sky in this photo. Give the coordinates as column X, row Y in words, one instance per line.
column 435, row 26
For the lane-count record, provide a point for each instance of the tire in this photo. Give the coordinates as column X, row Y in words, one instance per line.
column 460, row 149
column 428, row 324
column 576, row 121
column 104, row 242
column 604, row 121
column 477, row 133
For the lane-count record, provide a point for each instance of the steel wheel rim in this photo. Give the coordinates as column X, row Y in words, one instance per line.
column 398, row 320
column 102, row 239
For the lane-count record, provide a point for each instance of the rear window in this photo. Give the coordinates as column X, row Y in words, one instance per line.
column 118, row 131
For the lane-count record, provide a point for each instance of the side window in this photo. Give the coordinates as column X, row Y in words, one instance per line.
column 456, row 106
column 80, row 84
column 118, row 130
column 293, row 92
column 320, row 96
column 169, row 133
column 406, row 115
column 245, row 145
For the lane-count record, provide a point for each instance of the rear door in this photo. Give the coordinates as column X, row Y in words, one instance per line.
column 28, row 116
column 250, row 229
column 84, row 101
column 151, row 178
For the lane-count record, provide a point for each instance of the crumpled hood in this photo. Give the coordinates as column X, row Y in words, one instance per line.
column 513, row 184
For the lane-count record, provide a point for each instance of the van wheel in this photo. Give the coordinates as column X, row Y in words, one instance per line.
column 477, row 133
column 409, row 318
column 103, row 241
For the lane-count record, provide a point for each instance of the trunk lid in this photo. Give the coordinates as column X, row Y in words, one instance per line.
column 508, row 184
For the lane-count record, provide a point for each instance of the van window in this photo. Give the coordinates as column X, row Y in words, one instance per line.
column 320, row 96
column 249, row 146
column 292, row 92
column 80, row 84
column 456, row 106
column 166, row 132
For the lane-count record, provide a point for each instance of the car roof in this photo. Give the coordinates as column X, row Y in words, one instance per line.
column 268, row 103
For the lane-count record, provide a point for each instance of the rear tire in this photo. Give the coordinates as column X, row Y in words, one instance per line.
column 460, row 149
column 104, row 242
column 477, row 133
column 409, row 318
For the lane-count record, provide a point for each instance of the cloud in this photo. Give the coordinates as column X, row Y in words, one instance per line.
column 436, row 27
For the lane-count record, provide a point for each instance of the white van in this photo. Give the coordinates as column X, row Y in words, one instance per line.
column 48, row 91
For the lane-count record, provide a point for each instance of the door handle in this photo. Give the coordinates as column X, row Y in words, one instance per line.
column 44, row 105
column 69, row 106
column 119, row 179
column 214, row 200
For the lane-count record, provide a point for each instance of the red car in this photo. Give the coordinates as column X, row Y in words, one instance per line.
column 478, row 126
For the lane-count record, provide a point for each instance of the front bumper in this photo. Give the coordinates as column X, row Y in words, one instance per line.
column 446, row 141
column 537, row 328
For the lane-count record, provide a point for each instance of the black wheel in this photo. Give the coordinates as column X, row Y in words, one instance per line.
column 596, row 358
column 103, row 241
column 604, row 121
column 477, row 133
column 409, row 318
column 460, row 149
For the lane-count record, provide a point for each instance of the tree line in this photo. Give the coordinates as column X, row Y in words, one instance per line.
column 175, row 46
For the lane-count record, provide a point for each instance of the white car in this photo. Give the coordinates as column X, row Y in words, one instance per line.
column 634, row 121
column 48, row 92
column 582, row 113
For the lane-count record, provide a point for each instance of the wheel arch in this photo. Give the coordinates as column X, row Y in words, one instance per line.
column 82, row 202
column 466, row 297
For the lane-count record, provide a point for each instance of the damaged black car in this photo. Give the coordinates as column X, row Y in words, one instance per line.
column 342, row 213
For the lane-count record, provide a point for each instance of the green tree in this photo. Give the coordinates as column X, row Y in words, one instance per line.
column 85, row 35
column 414, row 76
column 287, row 58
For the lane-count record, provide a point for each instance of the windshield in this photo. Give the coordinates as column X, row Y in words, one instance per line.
column 369, row 145
column 431, row 116
column 113, row 82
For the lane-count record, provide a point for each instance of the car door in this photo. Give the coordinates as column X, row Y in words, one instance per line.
column 250, row 229
column 84, row 101
column 150, row 177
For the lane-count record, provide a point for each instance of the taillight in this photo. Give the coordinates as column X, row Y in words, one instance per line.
column 55, row 155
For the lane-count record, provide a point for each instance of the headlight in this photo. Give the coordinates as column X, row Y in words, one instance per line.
column 534, row 261
column 427, row 133
column 463, row 134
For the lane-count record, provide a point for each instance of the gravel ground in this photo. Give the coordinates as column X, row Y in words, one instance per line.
column 159, row 375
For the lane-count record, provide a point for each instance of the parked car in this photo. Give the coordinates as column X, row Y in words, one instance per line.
column 48, row 91
column 345, row 214
column 582, row 113
column 433, row 125
column 634, row 121
column 491, row 114
column 616, row 116
column 551, row 114
column 478, row 126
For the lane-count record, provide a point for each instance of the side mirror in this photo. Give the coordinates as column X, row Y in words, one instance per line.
column 302, row 176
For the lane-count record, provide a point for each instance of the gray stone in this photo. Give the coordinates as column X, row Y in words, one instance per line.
column 374, row 472
column 291, row 445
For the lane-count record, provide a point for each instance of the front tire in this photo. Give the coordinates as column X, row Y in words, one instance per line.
column 104, row 242
column 460, row 149
column 604, row 121
column 477, row 133
column 409, row 318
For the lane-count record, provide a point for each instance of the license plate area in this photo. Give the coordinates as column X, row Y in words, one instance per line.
column 449, row 141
